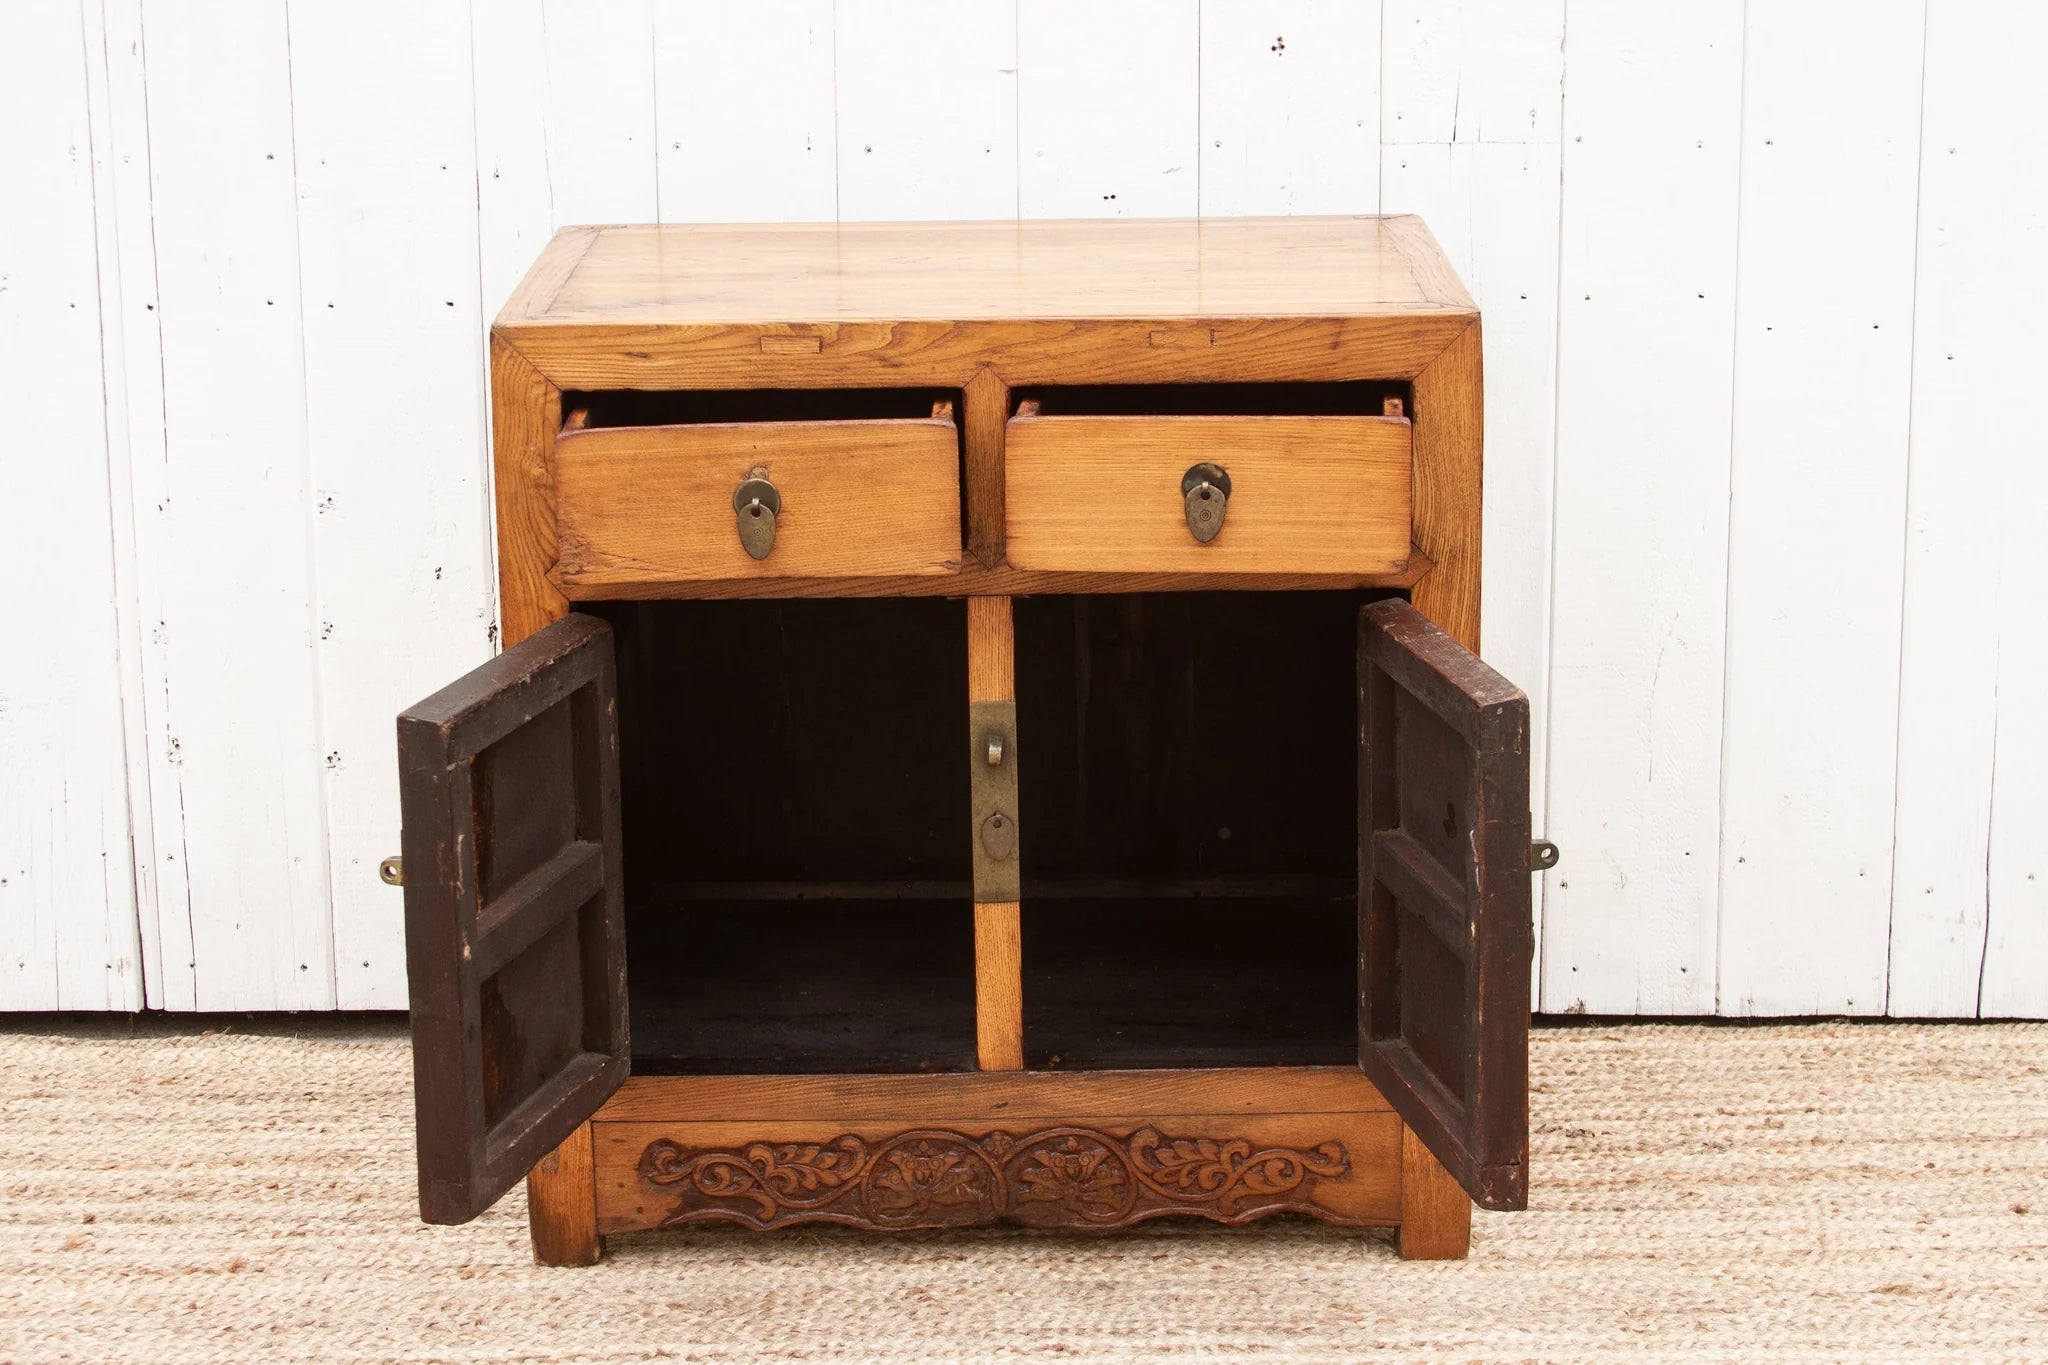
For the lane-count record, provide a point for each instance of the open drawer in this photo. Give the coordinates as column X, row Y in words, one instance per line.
column 757, row 485
column 1170, row 478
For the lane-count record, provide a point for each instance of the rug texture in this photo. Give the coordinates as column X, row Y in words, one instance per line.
column 1830, row 1192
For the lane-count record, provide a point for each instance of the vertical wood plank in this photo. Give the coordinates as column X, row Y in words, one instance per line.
column 561, row 1204
column 1823, row 370
column 132, row 353
column 600, row 99
column 2013, row 983
column 744, row 113
column 69, row 936
column 927, row 108
column 514, row 190
column 1969, row 927
column 984, row 422
column 1472, row 113
column 998, row 935
column 1108, row 104
column 388, row 246
column 1646, row 345
column 1471, row 74
column 999, row 986
column 1290, row 107
column 991, row 650
column 225, row 524
column 1436, row 1213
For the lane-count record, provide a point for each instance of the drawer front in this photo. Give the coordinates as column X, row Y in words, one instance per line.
column 1327, row 494
column 638, row 506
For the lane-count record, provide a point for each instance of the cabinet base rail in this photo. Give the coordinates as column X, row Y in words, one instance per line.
column 1071, row 1151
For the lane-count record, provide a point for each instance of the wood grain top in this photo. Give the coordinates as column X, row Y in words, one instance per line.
column 1041, row 271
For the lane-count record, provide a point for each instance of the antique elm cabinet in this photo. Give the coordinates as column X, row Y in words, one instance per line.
column 989, row 731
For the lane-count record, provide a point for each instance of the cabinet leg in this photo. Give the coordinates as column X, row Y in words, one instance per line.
column 561, row 1204
column 1436, row 1215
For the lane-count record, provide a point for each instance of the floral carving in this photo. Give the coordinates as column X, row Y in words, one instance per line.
column 1055, row 1177
column 927, row 1180
column 1075, row 1172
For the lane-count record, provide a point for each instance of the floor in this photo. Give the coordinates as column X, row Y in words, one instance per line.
column 1826, row 1192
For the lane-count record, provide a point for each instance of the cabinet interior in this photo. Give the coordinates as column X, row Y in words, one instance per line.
column 1189, row 789
column 792, row 779
column 1344, row 398
column 680, row 407
column 795, row 794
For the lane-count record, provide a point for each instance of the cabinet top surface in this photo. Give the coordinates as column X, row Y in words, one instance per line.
column 1042, row 270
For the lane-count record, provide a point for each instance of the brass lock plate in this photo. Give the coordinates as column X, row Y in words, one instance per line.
column 756, row 504
column 992, row 791
column 1205, row 489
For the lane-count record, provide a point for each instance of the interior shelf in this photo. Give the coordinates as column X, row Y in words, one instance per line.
column 1173, row 983
column 765, row 987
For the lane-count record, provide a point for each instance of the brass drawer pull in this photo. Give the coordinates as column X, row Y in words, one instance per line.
column 1205, row 489
column 756, row 504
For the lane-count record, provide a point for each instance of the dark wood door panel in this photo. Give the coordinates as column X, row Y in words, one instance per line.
column 1443, row 897
column 514, row 906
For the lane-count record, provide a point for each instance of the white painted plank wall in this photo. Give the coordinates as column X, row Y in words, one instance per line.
column 68, row 933
column 1646, row 306
column 1969, row 923
column 1289, row 119
column 1823, row 390
column 1764, row 472
column 225, row 523
column 744, row 112
column 131, row 345
column 387, row 187
column 927, row 109
column 1108, row 109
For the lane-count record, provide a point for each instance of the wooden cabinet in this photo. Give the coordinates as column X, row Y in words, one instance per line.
column 990, row 729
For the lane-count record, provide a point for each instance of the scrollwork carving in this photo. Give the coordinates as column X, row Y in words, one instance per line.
column 1055, row 1177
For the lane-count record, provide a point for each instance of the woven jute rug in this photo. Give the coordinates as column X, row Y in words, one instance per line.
column 1828, row 1192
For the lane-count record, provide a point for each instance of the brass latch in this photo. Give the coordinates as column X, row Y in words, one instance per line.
column 992, row 788
column 1542, row 855
column 392, row 872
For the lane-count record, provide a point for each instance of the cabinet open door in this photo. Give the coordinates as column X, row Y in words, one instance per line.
column 514, row 911
column 1445, row 936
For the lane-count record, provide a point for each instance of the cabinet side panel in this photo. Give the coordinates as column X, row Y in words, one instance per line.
column 525, row 411
column 1449, row 419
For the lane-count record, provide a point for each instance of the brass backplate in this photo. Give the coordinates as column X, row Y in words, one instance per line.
column 992, row 786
